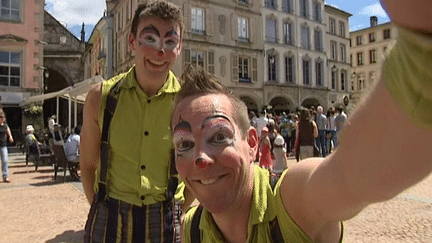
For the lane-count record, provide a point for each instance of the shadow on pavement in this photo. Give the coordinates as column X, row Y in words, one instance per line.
column 68, row 236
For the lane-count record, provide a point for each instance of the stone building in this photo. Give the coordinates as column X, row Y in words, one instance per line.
column 338, row 47
column 99, row 52
column 21, row 58
column 270, row 52
column 369, row 47
column 63, row 66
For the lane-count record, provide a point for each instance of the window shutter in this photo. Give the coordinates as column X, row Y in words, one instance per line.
column 234, row 27
column 252, row 30
column 209, row 22
column 187, row 58
column 234, row 62
column 187, row 17
column 254, row 69
column 210, row 62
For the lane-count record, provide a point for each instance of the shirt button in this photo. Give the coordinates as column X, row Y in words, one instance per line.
column 143, row 167
column 146, row 133
column 149, row 101
column 142, row 197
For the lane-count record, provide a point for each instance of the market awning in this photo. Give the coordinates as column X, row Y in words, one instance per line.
column 76, row 91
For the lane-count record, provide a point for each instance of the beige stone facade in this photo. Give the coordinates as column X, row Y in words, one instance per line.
column 338, row 49
column 369, row 47
column 270, row 52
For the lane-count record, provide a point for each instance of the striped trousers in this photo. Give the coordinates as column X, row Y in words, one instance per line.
column 115, row 221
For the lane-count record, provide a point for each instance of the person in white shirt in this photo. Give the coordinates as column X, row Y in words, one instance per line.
column 261, row 122
column 71, row 146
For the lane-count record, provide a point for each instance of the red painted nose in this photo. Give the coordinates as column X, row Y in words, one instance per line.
column 201, row 163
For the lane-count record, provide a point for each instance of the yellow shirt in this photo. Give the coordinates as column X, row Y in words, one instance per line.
column 140, row 140
column 265, row 207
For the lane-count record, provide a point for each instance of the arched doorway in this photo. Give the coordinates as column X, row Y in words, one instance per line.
column 250, row 103
column 279, row 105
column 55, row 82
column 309, row 102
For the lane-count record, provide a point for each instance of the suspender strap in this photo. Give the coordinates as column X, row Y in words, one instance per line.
column 275, row 232
column 195, row 231
column 139, row 224
column 110, row 106
column 111, row 226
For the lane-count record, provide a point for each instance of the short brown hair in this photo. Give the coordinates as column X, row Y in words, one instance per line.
column 157, row 8
column 197, row 81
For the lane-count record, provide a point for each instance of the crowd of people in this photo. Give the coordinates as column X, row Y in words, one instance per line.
column 304, row 133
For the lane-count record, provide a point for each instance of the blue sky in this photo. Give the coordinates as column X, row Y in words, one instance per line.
column 72, row 13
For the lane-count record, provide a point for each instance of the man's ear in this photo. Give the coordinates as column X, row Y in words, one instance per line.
column 132, row 40
column 252, row 139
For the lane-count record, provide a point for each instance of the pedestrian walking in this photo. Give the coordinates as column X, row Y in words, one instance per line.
column 5, row 136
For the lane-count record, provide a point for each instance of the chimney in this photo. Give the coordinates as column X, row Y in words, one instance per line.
column 82, row 34
column 373, row 21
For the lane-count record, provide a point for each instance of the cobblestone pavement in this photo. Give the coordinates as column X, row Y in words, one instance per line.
column 35, row 208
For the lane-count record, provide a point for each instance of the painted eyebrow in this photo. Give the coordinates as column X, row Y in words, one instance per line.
column 151, row 28
column 204, row 124
column 183, row 125
column 171, row 33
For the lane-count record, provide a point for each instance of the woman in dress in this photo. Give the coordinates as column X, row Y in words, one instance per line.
column 266, row 160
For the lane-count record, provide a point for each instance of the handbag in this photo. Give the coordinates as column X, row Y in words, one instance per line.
column 316, row 152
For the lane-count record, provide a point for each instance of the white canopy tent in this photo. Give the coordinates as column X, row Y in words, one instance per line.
column 76, row 93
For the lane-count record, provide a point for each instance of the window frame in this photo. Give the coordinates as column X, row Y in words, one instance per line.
column 269, row 38
column 272, row 68
column 372, row 37
column 386, row 34
column 306, row 72
column 287, row 28
column 360, row 60
column 243, row 29
column 196, row 18
column 11, row 9
column 359, row 40
column 372, row 56
column 332, row 26
column 12, row 65
column 289, row 74
column 319, row 78
column 244, row 77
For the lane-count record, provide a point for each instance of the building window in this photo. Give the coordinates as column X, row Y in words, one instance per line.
column 197, row 21
column 333, row 54
column 319, row 72
column 343, row 53
column 10, row 10
column 243, row 1
column 305, row 37
column 287, row 6
column 244, row 70
column 343, row 80
column 386, row 34
column 270, row 4
column 359, row 40
column 304, row 8
column 317, row 12
column 318, row 40
column 272, row 64
column 332, row 26
column 289, row 69
column 271, row 30
column 371, row 37
column 197, row 58
column 360, row 58
column 334, row 79
column 287, row 33
column 372, row 56
column 342, row 29
column 306, row 71
column 243, row 29
column 361, row 83
column 10, row 68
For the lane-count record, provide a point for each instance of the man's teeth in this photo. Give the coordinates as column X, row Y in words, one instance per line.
column 208, row 182
column 157, row 63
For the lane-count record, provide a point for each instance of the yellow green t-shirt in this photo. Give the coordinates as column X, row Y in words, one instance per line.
column 266, row 205
column 140, row 140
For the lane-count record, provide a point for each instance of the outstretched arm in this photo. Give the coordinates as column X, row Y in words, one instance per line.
column 90, row 141
column 383, row 150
